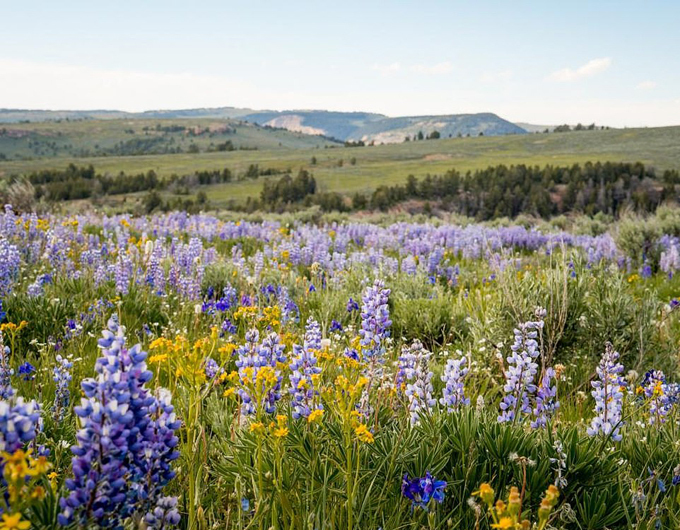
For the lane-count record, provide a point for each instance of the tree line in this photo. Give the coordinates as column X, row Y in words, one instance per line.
column 508, row 191
column 83, row 182
column 497, row 191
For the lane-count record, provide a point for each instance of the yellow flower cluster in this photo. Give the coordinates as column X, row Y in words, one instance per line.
column 508, row 516
column 12, row 328
column 21, row 473
column 278, row 429
column 186, row 360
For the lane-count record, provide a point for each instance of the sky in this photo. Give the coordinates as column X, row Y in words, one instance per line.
column 544, row 62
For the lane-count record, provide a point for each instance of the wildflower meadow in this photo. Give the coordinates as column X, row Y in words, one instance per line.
column 195, row 372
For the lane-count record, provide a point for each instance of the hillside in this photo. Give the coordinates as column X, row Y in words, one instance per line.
column 363, row 169
column 361, row 126
column 134, row 137
column 352, row 126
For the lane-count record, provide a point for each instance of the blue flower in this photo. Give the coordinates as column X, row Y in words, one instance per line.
column 126, row 443
column 420, row 491
column 26, row 370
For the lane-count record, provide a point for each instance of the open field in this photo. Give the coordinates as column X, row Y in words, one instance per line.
column 353, row 375
column 390, row 164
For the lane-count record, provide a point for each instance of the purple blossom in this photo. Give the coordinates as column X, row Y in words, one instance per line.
column 660, row 395
column 18, row 423
column 303, row 368
column 453, row 378
column 420, row 491
column 608, row 394
column 126, row 441
column 375, row 321
column 419, row 382
column 546, row 399
column 253, row 355
column 519, row 376
column 62, row 378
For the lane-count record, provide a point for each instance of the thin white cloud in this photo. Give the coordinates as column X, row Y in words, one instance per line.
column 27, row 84
column 592, row 67
column 435, row 69
column 387, row 69
column 646, row 85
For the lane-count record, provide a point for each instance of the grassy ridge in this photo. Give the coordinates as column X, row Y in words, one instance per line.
column 390, row 164
column 96, row 138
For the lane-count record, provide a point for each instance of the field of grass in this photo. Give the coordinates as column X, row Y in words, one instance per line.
column 27, row 142
column 373, row 166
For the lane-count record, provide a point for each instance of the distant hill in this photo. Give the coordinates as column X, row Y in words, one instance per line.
column 533, row 128
column 353, row 126
column 340, row 125
column 133, row 136
column 378, row 128
column 19, row 115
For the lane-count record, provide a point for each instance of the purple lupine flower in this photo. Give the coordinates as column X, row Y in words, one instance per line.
column 62, row 378
column 10, row 261
column 248, row 357
column 546, row 399
column 375, row 321
column 289, row 309
column 164, row 514
column 655, row 388
column 303, row 369
column 519, row 376
column 351, row 353
column 608, row 394
column 18, row 423
column 126, row 441
column 453, row 378
column 123, row 273
column 352, row 306
column 406, row 367
column 421, row 490
column 254, row 355
column 228, row 327
column 157, row 452
column 272, row 352
column 212, row 368
column 419, row 388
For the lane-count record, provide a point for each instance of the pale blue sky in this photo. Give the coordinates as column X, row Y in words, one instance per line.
column 547, row 62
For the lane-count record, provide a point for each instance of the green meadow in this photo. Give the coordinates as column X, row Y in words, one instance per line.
column 339, row 168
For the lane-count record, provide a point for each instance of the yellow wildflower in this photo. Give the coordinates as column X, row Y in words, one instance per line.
column 315, row 415
column 13, row 522
column 257, row 427
column 505, row 523
column 486, row 493
column 363, row 434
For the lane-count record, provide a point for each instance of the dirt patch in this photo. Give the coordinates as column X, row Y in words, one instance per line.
column 437, row 156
